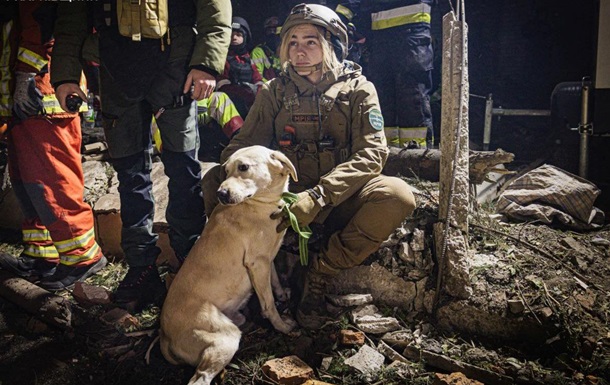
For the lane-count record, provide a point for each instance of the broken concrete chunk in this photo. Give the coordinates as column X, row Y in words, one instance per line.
column 573, row 244
column 403, row 369
column 516, row 306
column 351, row 337
column 377, row 325
column 362, row 311
column 453, row 379
column 315, row 382
column 350, row 299
column 289, row 370
column 399, row 338
column 366, row 361
column 89, row 295
column 417, row 242
column 390, row 353
column 120, row 317
column 545, row 312
column 325, row 364
column 406, row 253
column 598, row 241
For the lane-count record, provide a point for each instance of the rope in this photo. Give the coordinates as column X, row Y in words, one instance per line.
column 304, row 233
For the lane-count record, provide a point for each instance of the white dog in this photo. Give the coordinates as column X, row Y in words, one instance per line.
column 201, row 313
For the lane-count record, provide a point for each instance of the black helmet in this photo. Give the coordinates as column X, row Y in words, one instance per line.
column 240, row 24
column 324, row 17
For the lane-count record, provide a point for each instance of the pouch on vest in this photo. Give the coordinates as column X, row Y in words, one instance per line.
column 142, row 18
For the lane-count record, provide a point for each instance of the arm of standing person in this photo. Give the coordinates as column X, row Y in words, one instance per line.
column 211, row 46
column 70, row 33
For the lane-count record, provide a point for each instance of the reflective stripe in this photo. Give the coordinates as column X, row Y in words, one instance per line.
column 418, row 13
column 260, row 60
column 35, row 235
column 31, row 58
column 89, row 255
column 6, row 102
column 79, row 242
column 40, row 251
column 392, row 137
column 343, row 10
column 51, row 105
column 398, row 136
column 221, row 108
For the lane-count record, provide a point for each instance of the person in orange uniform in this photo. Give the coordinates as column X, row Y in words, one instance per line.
column 45, row 162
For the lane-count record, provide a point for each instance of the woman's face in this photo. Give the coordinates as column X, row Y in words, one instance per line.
column 304, row 47
column 237, row 38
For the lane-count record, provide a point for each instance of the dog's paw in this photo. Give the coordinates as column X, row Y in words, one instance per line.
column 238, row 318
column 287, row 325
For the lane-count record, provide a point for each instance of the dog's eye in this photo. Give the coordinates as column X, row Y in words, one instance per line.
column 243, row 167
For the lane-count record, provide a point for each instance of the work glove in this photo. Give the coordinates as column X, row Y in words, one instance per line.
column 304, row 209
column 27, row 99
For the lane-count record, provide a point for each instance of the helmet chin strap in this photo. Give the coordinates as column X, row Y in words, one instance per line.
column 311, row 69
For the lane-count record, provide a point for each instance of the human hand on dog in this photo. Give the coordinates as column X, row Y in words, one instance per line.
column 304, row 209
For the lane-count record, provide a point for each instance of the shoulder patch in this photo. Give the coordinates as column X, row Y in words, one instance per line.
column 376, row 119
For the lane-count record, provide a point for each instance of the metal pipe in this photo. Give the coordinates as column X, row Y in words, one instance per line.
column 585, row 130
column 510, row 112
column 487, row 128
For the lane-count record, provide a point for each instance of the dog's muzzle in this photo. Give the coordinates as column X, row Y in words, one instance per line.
column 224, row 196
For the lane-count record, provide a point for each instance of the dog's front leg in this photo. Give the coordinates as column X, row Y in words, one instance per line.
column 259, row 271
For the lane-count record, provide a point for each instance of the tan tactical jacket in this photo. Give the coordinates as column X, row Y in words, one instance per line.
column 332, row 131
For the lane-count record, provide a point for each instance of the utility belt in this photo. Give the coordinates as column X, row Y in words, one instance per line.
column 394, row 17
column 311, row 158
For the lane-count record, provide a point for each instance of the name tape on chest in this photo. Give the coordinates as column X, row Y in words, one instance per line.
column 305, row 118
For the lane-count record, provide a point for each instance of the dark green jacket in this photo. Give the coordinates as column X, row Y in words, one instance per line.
column 213, row 25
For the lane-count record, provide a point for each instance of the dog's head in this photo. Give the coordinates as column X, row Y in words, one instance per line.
column 255, row 171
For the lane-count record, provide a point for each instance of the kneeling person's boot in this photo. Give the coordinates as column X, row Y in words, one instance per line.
column 311, row 311
column 140, row 287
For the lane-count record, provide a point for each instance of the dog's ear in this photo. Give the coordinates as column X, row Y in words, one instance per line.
column 279, row 156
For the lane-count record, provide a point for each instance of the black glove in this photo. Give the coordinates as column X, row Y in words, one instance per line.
column 27, row 98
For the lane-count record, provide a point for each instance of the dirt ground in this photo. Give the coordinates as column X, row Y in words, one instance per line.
column 549, row 287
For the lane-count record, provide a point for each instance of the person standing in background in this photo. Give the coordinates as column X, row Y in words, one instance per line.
column 149, row 66
column 45, row 167
column 265, row 56
column 400, row 66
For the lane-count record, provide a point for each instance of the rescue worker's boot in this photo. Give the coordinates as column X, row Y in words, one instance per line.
column 27, row 267
column 66, row 276
column 311, row 311
column 140, row 287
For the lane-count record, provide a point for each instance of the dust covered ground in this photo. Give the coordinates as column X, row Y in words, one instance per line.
column 538, row 315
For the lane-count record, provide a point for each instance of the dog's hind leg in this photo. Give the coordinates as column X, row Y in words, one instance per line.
column 215, row 358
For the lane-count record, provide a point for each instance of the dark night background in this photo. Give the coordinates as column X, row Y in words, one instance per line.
column 519, row 51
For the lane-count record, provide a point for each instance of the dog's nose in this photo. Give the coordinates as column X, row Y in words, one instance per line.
column 223, row 195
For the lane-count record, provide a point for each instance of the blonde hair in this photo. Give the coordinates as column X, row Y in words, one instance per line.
column 329, row 58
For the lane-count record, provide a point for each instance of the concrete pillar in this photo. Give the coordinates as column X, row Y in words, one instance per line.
column 451, row 243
